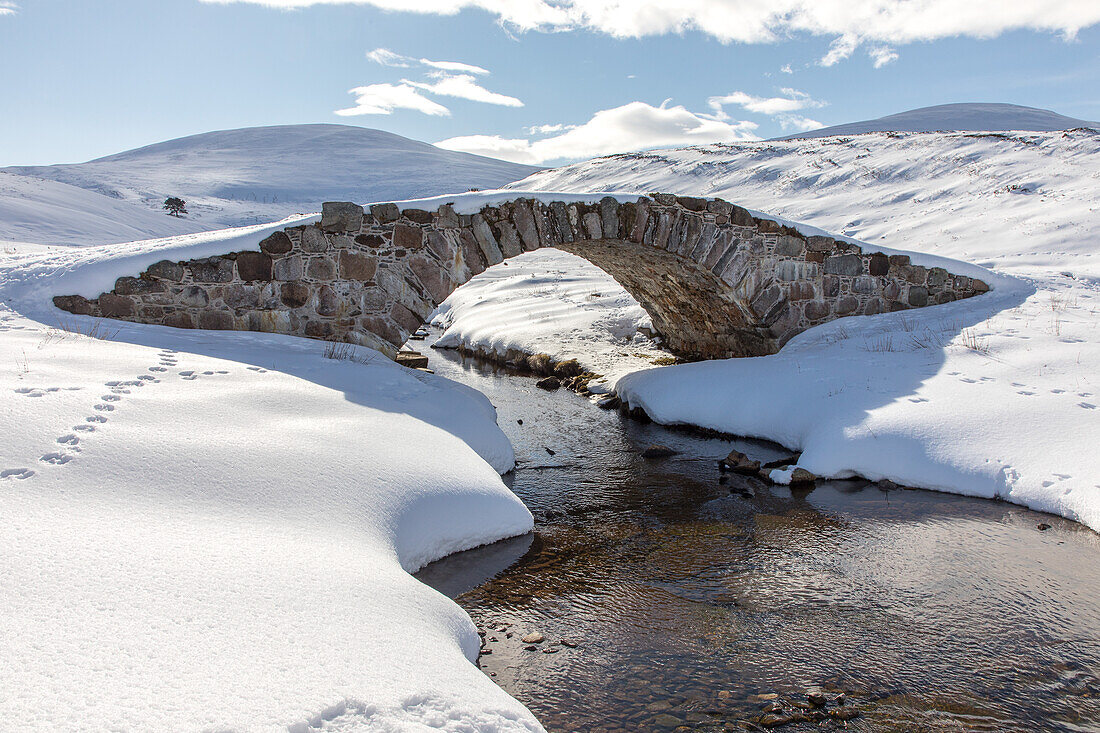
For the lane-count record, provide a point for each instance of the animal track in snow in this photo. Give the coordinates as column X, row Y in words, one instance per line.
column 146, row 378
column 158, row 369
column 110, row 398
column 1086, row 405
column 96, row 418
column 918, row 399
column 1024, row 392
column 84, row 428
column 257, row 369
column 57, row 459
column 68, row 439
column 16, row 473
column 102, row 407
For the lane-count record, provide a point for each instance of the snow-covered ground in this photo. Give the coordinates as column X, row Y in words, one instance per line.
column 44, row 211
column 996, row 396
column 240, row 177
column 213, row 530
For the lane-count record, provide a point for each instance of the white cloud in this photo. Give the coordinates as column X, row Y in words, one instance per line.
column 882, row 55
column 463, row 86
column 786, row 69
column 802, row 124
column 852, row 24
column 455, row 66
column 383, row 99
column 8, row 8
column 387, row 57
column 633, row 126
column 792, row 102
column 548, row 129
column 840, row 49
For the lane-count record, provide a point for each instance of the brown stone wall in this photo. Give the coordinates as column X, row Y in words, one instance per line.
column 716, row 281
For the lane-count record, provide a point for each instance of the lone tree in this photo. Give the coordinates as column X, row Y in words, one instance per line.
column 175, row 206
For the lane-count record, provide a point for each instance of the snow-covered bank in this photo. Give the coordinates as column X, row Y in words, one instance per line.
column 212, row 530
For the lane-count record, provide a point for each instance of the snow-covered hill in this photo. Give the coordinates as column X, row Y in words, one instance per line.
column 1005, row 200
column 969, row 116
column 255, row 175
column 40, row 210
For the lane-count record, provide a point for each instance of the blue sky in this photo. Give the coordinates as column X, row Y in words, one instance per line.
column 552, row 79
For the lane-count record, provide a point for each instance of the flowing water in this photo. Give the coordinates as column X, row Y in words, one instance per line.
column 674, row 597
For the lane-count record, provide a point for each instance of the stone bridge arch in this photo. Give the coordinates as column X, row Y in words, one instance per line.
column 716, row 281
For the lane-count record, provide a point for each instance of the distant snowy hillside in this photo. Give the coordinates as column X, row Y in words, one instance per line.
column 261, row 174
column 971, row 116
column 958, row 193
column 43, row 211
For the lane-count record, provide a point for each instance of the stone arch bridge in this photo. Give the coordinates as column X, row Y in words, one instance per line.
column 716, row 281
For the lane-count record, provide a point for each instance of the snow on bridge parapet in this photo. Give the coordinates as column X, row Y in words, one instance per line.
column 716, row 281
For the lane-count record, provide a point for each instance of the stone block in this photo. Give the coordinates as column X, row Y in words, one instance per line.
column 417, row 216
column 137, row 286
column 864, row 285
column 212, row 270
column 288, row 268
column 355, row 266
column 179, row 319
column 314, row 240
column 385, row 213
column 432, row 277
column 609, row 217
column 407, row 237
column 405, row 318
column 253, row 266
column 328, row 303
column 321, row 268
column 846, row 305
column 692, row 203
column 216, row 320
column 593, row 227
column 820, row 243
column 294, row 294
column 816, row 310
column 341, row 216
column 843, row 265
column 278, row 243
column 878, row 264
column 918, row 296
column 319, row 329
column 374, row 241
column 486, row 241
column 789, row 246
column 76, row 304
column 241, row 296
column 446, row 218
column 384, row 328
column 830, row 286
column 167, row 270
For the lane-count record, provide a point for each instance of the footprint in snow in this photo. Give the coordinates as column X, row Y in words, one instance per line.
column 257, row 369
column 16, row 473
column 188, row 373
column 1025, row 392
column 1086, row 405
column 57, row 459
column 1057, row 391
column 147, row 378
column 110, row 398
column 102, row 407
column 968, row 380
column 68, row 439
column 96, row 418
column 30, row 392
column 157, row 369
column 918, row 399
column 84, row 428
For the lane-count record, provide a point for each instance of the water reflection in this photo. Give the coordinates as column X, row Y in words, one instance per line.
column 682, row 600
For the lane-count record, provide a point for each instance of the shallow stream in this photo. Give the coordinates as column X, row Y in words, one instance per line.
column 689, row 599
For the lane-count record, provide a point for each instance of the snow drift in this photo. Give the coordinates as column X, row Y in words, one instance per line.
column 213, row 530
